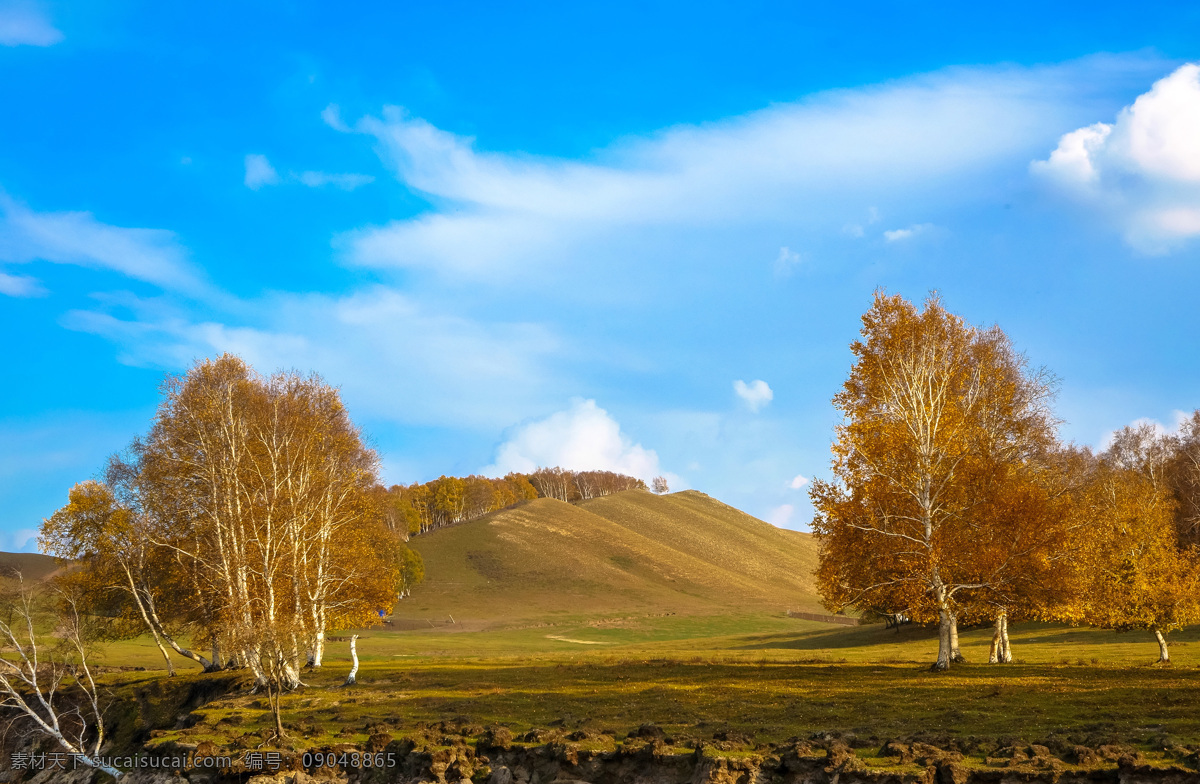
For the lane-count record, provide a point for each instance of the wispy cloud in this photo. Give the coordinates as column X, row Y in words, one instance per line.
column 26, row 23
column 1143, row 170
column 259, row 172
column 786, row 262
column 396, row 359
column 346, row 182
column 151, row 255
column 814, row 165
column 781, row 515
column 20, row 286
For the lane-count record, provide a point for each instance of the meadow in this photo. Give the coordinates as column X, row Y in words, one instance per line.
column 759, row 678
column 639, row 622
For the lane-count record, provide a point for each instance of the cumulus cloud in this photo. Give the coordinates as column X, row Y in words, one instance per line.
column 26, row 23
column 755, row 395
column 150, row 255
column 584, row 437
column 798, row 482
column 1144, row 168
column 259, row 172
column 811, row 163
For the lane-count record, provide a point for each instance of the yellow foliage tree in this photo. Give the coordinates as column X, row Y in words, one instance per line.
column 256, row 499
column 937, row 415
column 1131, row 572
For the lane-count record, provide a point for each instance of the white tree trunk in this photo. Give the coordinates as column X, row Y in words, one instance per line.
column 133, row 589
column 955, row 655
column 351, row 678
column 318, row 649
column 1164, row 655
column 1005, row 647
column 943, row 659
column 994, row 651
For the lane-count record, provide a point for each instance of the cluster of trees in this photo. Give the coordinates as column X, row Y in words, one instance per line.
column 248, row 521
column 418, row 508
column 952, row 499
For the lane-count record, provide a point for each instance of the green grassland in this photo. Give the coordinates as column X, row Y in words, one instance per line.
column 599, row 618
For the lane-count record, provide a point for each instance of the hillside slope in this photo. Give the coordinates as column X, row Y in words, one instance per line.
column 631, row 552
column 31, row 566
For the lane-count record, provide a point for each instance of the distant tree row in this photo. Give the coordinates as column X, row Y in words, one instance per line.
column 952, row 499
column 418, row 508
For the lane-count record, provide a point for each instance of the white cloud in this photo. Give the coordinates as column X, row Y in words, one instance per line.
column 346, row 182
column 898, row 235
column 1071, row 163
column 26, row 23
column 149, row 255
column 781, row 515
column 395, row 358
column 1180, row 418
column 798, row 482
column 804, row 164
column 22, row 540
column 332, row 115
column 786, row 262
column 20, row 286
column 582, row 438
column 1144, row 169
column 756, row 394
column 259, row 172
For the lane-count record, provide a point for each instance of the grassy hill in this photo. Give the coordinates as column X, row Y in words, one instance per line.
column 633, row 552
column 31, row 566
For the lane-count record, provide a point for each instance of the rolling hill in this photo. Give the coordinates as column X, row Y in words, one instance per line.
column 633, row 552
column 31, row 566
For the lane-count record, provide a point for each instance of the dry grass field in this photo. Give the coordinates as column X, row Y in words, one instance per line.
column 633, row 552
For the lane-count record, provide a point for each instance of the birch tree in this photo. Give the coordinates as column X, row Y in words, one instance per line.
column 119, row 574
column 249, row 513
column 931, row 408
column 1183, row 477
column 1133, row 571
column 51, row 687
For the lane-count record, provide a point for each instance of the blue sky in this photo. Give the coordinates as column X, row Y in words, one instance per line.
column 626, row 236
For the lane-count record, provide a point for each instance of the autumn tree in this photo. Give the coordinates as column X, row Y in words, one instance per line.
column 420, row 508
column 121, row 575
column 256, row 499
column 1183, row 478
column 554, row 483
column 1133, row 571
column 933, row 408
column 659, row 485
column 1024, row 547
